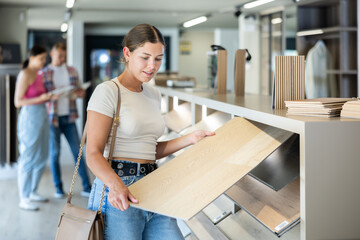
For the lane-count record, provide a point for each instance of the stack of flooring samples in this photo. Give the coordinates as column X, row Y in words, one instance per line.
column 185, row 185
column 289, row 83
column 351, row 109
column 317, row 107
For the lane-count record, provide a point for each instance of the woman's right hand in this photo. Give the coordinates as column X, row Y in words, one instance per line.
column 45, row 97
column 119, row 196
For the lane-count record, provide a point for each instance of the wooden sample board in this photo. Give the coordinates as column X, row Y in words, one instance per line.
column 278, row 211
column 189, row 182
column 289, row 79
column 179, row 118
column 239, row 78
column 204, row 228
column 221, row 71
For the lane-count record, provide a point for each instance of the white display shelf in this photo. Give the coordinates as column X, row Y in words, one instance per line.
column 329, row 159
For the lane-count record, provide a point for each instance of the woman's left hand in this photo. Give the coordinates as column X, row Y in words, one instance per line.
column 197, row 135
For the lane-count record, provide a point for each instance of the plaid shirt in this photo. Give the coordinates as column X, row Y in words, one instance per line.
column 52, row 105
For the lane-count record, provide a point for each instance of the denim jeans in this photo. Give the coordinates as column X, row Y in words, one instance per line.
column 33, row 136
column 134, row 223
column 71, row 135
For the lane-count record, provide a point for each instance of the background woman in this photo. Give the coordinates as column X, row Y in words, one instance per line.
column 136, row 146
column 33, row 127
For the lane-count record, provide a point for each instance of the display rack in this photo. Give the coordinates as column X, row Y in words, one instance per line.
column 329, row 153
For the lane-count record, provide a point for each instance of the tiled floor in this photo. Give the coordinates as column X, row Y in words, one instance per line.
column 18, row 224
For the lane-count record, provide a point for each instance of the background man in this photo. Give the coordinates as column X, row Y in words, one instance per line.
column 62, row 115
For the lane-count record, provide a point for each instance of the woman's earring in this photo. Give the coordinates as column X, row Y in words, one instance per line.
column 126, row 60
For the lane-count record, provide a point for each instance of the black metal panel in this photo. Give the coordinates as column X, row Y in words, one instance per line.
column 281, row 167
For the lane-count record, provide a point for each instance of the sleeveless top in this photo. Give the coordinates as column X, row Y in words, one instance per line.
column 37, row 87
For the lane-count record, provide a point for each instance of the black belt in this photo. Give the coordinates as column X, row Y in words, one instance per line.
column 128, row 169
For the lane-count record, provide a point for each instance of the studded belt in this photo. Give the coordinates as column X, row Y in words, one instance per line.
column 129, row 169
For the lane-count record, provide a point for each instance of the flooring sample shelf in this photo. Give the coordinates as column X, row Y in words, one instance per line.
column 179, row 118
column 329, row 165
column 278, row 211
column 185, row 185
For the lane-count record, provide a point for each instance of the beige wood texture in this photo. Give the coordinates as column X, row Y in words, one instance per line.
column 219, row 208
column 189, row 182
column 210, row 123
column 203, row 228
column 240, row 61
column 276, row 210
column 289, row 79
column 221, row 71
column 179, row 118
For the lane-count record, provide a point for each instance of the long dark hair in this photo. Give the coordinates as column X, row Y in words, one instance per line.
column 34, row 51
column 141, row 34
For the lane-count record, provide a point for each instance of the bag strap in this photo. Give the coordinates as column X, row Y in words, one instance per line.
column 115, row 124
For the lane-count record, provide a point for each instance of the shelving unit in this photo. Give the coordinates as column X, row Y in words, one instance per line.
column 334, row 22
column 329, row 161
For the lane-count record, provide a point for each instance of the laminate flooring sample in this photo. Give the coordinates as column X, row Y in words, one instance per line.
column 278, row 211
column 281, row 167
column 180, row 118
column 189, row 182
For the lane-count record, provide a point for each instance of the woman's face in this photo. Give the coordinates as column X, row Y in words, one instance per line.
column 38, row 61
column 145, row 61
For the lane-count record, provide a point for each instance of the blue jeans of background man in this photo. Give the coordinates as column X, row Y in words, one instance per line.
column 33, row 136
column 72, row 137
column 134, row 223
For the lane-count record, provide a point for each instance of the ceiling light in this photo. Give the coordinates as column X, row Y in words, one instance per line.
column 256, row 3
column 310, row 32
column 64, row 27
column 70, row 3
column 195, row 21
column 276, row 20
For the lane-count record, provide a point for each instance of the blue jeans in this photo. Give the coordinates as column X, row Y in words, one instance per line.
column 33, row 136
column 71, row 135
column 134, row 223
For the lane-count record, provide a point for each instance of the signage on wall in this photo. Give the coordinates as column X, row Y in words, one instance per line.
column 185, row 47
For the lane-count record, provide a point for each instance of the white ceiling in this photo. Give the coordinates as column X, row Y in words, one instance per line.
column 49, row 14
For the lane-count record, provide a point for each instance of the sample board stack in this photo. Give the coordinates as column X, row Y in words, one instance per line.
column 289, row 81
column 351, row 109
column 317, row 107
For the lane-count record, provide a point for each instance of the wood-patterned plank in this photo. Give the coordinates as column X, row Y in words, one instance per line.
column 276, row 210
column 203, row 228
column 240, row 61
column 221, row 71
column 189, row 182
column 179, row 118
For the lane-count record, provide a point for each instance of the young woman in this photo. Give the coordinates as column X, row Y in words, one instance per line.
column 32, row 128
column 136, row 147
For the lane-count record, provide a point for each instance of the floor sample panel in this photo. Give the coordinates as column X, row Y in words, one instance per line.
column 281, row 167
column 189, row 182
column 276, row 210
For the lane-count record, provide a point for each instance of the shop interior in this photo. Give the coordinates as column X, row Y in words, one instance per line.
column 304, row 186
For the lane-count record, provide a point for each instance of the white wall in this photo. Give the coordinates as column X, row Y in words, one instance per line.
column 13, row 28
column 195, row 63
column 249, row 37
column 229, row 39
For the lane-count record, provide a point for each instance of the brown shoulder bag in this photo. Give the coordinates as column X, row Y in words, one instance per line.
column 79, row 223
